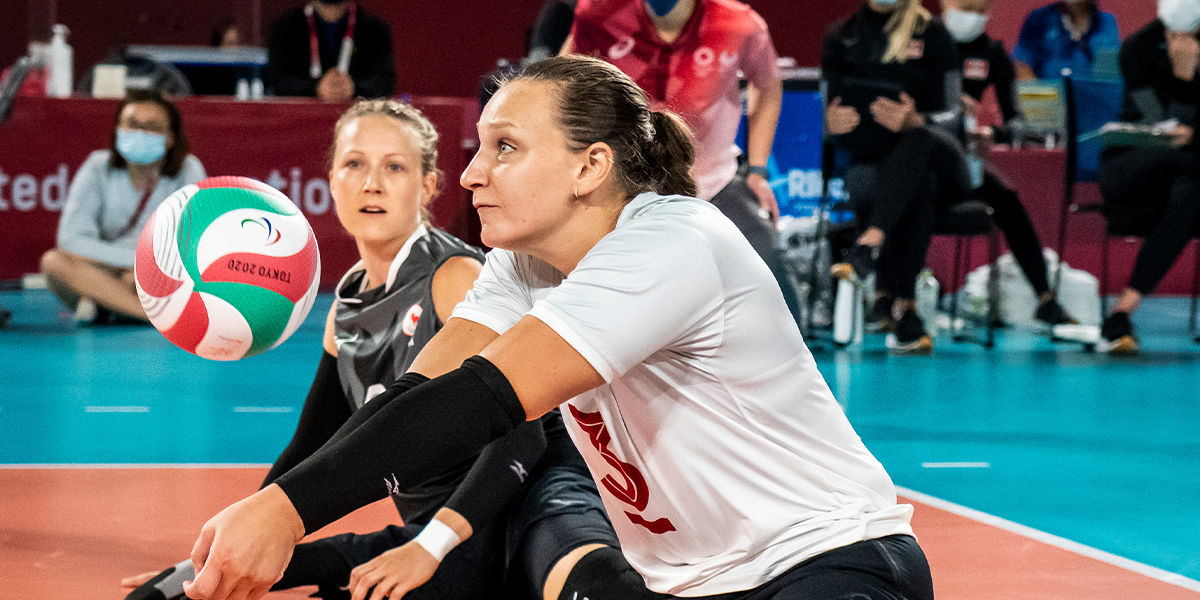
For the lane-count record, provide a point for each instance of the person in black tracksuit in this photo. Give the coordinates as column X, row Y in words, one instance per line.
column 894, row 84
column 1158, row 64
column 372, row 70
column 985, row 64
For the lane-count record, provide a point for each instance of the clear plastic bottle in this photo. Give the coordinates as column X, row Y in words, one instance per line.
column 928, row 291
column 61, row 62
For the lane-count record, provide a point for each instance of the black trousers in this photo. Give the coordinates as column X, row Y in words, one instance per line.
column 1009, row 215
column 740, row 204
column 1161, row 179
column 901, row 194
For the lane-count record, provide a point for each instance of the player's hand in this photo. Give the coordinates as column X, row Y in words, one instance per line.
column 766, row 196
column 840, row 119
column 1184, row 52
column 970, row 106
column 1181, row 135
column 896, row 116
column 138, row 580
column 243, row 550
column 335, row 86
column 393, row 573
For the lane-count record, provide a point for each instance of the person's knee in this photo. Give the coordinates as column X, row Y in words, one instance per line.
column 604, row 574
column 54, row 263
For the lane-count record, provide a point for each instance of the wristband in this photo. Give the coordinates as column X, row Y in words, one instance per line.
column 760, row 171
column 438, row 539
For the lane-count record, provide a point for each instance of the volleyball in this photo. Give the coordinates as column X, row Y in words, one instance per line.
column 227, row 268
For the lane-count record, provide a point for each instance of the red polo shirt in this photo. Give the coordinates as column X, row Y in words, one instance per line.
column 695, row 76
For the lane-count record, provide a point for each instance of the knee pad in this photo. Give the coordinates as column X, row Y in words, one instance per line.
column 604, row 574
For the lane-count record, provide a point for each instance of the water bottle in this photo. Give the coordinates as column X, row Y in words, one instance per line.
column 256, row 89
column 847, row 313
column 62, row 64
column 927, row 293
column 242, row 91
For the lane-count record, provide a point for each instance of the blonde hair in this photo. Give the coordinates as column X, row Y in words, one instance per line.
column 426, row 135
column 908, row 19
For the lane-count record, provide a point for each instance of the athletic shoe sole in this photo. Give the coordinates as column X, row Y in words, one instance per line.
column 1126, row 345
column 921, row 345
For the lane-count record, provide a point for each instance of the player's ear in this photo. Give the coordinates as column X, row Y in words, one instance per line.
column 595, row 167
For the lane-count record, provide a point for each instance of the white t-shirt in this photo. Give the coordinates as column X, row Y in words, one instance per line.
column 721, row 455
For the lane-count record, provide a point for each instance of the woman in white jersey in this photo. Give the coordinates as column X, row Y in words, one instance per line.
column 724, row 462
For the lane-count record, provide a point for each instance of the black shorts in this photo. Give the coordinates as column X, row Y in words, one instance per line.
column 887, row 568
column 561, row 511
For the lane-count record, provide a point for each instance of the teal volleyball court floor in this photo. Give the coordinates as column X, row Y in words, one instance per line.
column 1101, row 451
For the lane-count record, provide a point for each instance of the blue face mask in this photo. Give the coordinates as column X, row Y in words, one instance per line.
column 661, row 7
column 141, row 147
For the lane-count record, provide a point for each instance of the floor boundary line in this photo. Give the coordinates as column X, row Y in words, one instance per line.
column 1053, row 540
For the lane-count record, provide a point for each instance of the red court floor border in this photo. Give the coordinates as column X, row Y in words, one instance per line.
column 74, row 532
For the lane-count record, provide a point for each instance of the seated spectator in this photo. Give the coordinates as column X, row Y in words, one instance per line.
column 1158, row 64
column 1064, row 35
column 110, row 199
column 985, row 64
column 352, row 58
column 226, row 34
column 895, row 89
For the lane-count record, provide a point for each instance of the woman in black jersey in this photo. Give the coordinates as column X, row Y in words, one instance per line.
column 410, row 277
column 894, row 88
column 1158, row 64
column 986, row 64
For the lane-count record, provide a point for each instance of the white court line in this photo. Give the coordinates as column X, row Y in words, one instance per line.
column 117, row 409
column 1053, row 540
column 956, row 465
column 135, row 466
column 262, row 409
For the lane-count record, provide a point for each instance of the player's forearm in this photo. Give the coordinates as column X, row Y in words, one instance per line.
column 406, row 438
column 761, row 120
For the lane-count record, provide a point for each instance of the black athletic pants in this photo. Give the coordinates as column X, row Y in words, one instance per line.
column 901, row 194
column 738, row 202
column 1158, row 178
column 1010, row 216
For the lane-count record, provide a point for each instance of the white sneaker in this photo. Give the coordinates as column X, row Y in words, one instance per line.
column 85, row 312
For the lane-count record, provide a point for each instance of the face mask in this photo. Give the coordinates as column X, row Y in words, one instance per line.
column 964, row 26
column 661, row 7
column 885, row 2
column 1181, row 16
column 141, row 147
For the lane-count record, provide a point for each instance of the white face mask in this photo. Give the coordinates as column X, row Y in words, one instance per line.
column 964, row 26
column 885, row 2
column 1180, row 15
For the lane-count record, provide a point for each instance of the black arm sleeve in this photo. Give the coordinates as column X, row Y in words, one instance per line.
column 498, row 474
column 408, row 438
column 325, row 409
column 1004, row 75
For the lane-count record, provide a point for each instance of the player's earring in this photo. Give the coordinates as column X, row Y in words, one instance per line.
column 576, row 193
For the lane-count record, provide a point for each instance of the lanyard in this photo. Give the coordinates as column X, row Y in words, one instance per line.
column 314, row 51
column 133, row 219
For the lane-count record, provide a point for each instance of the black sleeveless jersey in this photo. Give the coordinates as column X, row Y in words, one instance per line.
column 379, row 332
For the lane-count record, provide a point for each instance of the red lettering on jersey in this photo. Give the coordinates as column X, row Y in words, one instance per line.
column 976, row 69
column 634, row 492
column 659, row 527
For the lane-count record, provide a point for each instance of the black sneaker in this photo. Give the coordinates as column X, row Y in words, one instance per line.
column 880, row 320
column 909, row 335
column 1051, row 313
column 857, row 263
column 1117, row 337
column 167, row 585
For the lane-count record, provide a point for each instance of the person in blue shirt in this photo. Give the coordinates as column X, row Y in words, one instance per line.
column 1065, row 35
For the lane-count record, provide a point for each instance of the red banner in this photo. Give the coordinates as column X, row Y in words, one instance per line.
column 284, row 143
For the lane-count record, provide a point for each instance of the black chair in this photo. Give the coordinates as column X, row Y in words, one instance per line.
column 1090, row 104
column 966, row 221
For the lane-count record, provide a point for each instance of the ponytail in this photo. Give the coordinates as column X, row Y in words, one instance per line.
column 670, row 154
column 652, row 151
column 907, row 20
